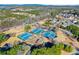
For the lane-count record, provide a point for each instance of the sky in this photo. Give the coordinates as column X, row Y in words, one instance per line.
column 47, row 2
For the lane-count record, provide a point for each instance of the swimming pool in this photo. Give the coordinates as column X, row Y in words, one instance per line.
column 37, row 31
column 25, row 36
column 49, row 34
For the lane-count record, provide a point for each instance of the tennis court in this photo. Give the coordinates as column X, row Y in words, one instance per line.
column 49, row 34
column 37, row 31
column 25, row 36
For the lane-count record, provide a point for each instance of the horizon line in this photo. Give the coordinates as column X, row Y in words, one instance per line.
column 44, row 4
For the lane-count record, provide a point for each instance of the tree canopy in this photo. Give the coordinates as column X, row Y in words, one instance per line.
column 54, row 50
column 27, row 27
column 2, row 37
column 74, row 30
column 47, row 23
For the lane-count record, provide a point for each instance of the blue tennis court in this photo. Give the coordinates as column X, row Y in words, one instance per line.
column 49, row 34
column 25, row 36
column 37, row 31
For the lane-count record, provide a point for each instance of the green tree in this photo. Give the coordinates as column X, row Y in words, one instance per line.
column 54, row 50
column 47, row 23
column 74, row 29
column 2, row 37
column 55, row 12
column 27, row 27
column 68, row 48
